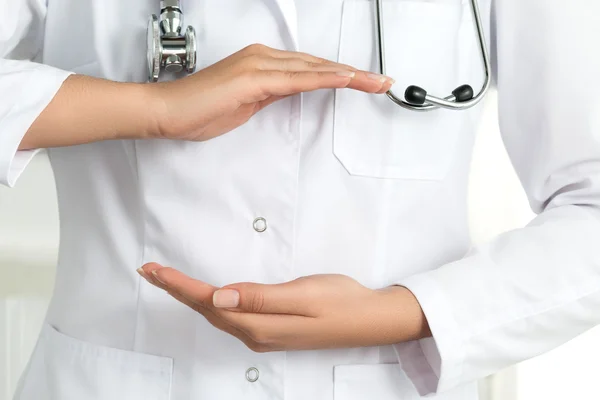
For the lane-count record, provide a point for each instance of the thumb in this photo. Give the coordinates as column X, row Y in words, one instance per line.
column 173, row 280
column 285, row 298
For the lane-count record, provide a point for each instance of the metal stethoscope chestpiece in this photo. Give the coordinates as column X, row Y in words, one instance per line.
column 417, row 98
column 168, row 49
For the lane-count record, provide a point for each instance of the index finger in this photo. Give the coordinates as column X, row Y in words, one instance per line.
column 192, row 289
column 275, row 53
column 285, row 83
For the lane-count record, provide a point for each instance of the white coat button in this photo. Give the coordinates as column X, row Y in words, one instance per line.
column 260, row 224
column 252, row 374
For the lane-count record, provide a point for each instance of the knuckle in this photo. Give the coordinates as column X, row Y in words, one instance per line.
column 257, row 302
column 311, row 64
column 292, row 74
column 255, row 48
column 314, row 59
column 270, row 74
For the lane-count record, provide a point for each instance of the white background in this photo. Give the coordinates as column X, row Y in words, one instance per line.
column 28, row 250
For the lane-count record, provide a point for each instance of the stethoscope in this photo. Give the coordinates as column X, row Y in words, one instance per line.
column 168, row 48
column 417, row 98
column 172, row 51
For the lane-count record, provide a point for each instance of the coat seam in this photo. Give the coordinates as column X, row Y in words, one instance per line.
column 142, row 249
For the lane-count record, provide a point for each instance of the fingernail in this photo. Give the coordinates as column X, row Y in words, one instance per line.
column 377, row 77
column 155, row 275
column 226, row 298
column 143, row 274
column 347, row 74
column 392, row 81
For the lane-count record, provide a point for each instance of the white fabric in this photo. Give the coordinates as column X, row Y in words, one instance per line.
column 26, row 87
column 347, row 182
column 535, row 288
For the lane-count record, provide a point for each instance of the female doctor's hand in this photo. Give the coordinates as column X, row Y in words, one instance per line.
column 313, row 312
column 225, row 95
column 198, row 107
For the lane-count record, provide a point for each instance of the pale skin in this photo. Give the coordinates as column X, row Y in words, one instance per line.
column 313, row 312
column 309, row 313
column 199, row 107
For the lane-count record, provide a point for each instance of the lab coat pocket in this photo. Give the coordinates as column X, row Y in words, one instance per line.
column 386, row 382
column 65, row 368
column 365, row 382
column 374, row 137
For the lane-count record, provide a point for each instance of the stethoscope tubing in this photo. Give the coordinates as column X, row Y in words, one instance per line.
column 433, row 102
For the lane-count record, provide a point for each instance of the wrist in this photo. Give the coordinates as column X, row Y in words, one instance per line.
column 151, row 109
column 407, row 320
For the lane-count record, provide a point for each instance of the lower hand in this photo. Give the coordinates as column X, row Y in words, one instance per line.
column 314, row 312
column 225, row 95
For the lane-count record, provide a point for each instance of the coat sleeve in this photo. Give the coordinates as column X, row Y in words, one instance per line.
column 531, row 289
column 26, row 87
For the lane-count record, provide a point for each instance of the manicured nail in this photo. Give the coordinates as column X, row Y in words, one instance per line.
column 377, row 77
column 226, row 298
column 347, row 74
column 392, row 81
column 155, row 275
column 143, row 274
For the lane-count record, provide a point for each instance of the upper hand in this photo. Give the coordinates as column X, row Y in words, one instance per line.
column 314, row 312
column 225, row 95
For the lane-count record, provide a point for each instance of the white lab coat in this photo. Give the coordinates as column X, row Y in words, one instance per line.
column 348, row 183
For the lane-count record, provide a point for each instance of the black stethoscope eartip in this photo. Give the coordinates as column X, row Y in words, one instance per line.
column 415, row 95
column 418, row 96
column 463, row 93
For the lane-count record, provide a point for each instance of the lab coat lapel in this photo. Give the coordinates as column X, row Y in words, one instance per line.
column 287, row 9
